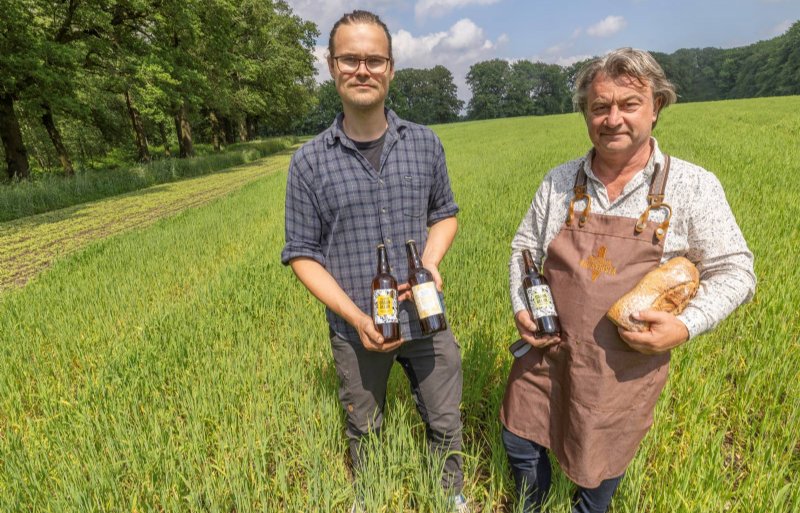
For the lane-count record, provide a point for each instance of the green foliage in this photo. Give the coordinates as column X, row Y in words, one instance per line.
column 426, row 96
column 524, row 88
column 48, row 192
column 488, row 81
column 182, row 368
column 766, row 68
column 250, row 63
column 328, row 105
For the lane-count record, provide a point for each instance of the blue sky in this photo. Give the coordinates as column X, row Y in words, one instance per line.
column 459, row 33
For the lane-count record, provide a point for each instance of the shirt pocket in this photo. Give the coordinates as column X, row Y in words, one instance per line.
column 414, row 192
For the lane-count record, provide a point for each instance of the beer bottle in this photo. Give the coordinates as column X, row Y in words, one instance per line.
column 539, row 299
column 426, row 297
column 384, row 299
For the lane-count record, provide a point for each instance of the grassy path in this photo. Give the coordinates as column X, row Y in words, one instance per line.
column 31, row 244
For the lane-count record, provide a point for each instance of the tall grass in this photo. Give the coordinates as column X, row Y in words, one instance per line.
column 182, row 368
column 46, row 192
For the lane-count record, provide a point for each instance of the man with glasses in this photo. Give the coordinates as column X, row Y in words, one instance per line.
column 373, row 178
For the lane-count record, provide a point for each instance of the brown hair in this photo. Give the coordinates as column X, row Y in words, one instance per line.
column 625, row 62
column 359, row 17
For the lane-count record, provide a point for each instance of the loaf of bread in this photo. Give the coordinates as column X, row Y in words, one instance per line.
column 668, row 288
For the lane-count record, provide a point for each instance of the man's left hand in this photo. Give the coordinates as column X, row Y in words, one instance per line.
column 404, row 289
column 664, row 333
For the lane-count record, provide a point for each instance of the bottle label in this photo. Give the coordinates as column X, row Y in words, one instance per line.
column 385, row 302
column 541, row 301
column 426, row 297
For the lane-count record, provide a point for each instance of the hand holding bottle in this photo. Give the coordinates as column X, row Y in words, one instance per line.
column 527, row 329
column 404, row 289
column 371, row 338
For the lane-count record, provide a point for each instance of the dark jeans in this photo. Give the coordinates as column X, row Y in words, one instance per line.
column 433, row 368
column 530, row 466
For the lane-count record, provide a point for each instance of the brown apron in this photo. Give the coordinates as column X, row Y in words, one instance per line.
column 590, row 399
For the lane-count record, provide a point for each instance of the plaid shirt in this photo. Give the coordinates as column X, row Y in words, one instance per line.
column 338, row 209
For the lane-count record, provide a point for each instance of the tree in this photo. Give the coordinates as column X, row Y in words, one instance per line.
column 328, row 105
column 20, row 66
column 425, row 96
column 488, row 81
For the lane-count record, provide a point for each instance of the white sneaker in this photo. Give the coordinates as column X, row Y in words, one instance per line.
column 358, row 507
column 460, row 504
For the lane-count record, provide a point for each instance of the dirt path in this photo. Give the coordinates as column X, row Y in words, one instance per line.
column 29, row 245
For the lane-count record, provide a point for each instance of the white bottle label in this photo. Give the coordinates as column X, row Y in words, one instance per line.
column 426, row 298
column 384, row 302
column 541, row 301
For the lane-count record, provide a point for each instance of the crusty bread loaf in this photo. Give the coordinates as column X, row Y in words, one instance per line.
column 668, row 288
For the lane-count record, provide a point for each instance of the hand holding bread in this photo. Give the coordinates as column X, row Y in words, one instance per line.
column 668, row 288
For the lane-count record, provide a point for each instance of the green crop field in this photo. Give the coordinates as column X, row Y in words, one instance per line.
column 181, row 367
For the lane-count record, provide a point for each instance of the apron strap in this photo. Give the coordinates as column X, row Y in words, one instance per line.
column 580, row 193
column 655, row 199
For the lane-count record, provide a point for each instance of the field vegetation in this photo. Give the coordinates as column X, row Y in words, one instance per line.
column 48, row 192
column 181, row 367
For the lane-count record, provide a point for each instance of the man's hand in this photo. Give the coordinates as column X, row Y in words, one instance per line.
column 434, row 269
column 665, row 332
column 404, row 292
column 371, row 338
column 527, row 327
column 404, row 289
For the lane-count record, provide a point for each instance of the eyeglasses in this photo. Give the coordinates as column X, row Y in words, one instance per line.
column 350, row 63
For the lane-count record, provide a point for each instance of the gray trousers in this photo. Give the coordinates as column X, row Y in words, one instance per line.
column 433, row 367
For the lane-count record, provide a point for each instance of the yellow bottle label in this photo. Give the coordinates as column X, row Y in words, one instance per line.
column 385, row 306
column 426, row 297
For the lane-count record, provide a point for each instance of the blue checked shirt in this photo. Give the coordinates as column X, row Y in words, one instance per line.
column 338, row 209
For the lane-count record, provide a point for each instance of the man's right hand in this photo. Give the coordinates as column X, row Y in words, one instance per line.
column 371, row 338
column 526, row 327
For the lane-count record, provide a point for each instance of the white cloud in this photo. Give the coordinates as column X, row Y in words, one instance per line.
column 462, row 45
column 321, row 64
column 436, row 8
column 562, row 53
column 780, row 28
column 463, row 42
column 608, row 26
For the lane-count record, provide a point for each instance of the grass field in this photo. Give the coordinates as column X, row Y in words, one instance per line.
column 182, row 368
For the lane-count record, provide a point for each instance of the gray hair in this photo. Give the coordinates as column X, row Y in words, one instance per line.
column 625, row 62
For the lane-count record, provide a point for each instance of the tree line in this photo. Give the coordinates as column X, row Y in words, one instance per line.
column 87, row 78
column 107, row 81
column 522, row 88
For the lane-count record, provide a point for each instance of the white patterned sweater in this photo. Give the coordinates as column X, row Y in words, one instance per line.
column 702, row 228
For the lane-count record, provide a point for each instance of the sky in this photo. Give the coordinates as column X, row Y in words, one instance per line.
column 459, row 33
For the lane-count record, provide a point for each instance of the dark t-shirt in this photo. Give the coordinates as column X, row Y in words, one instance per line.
column 372, row 150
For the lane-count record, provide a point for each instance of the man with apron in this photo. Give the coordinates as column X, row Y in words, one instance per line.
column 600, row 223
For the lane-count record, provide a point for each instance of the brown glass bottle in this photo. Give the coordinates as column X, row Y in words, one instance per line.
column 426, row 297
column 539, row 299
column 384, row 299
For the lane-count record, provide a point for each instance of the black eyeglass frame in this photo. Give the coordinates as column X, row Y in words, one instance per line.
column 386, row 60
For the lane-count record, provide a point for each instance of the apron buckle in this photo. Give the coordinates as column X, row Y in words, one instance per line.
column 580, row 193
column 655, row 202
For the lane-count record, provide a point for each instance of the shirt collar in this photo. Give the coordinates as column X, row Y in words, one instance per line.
column 655, row 158
column 395, row 130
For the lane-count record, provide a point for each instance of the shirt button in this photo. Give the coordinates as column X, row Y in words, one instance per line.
column 380, row 181
column 388, row 241
column 383, row 210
